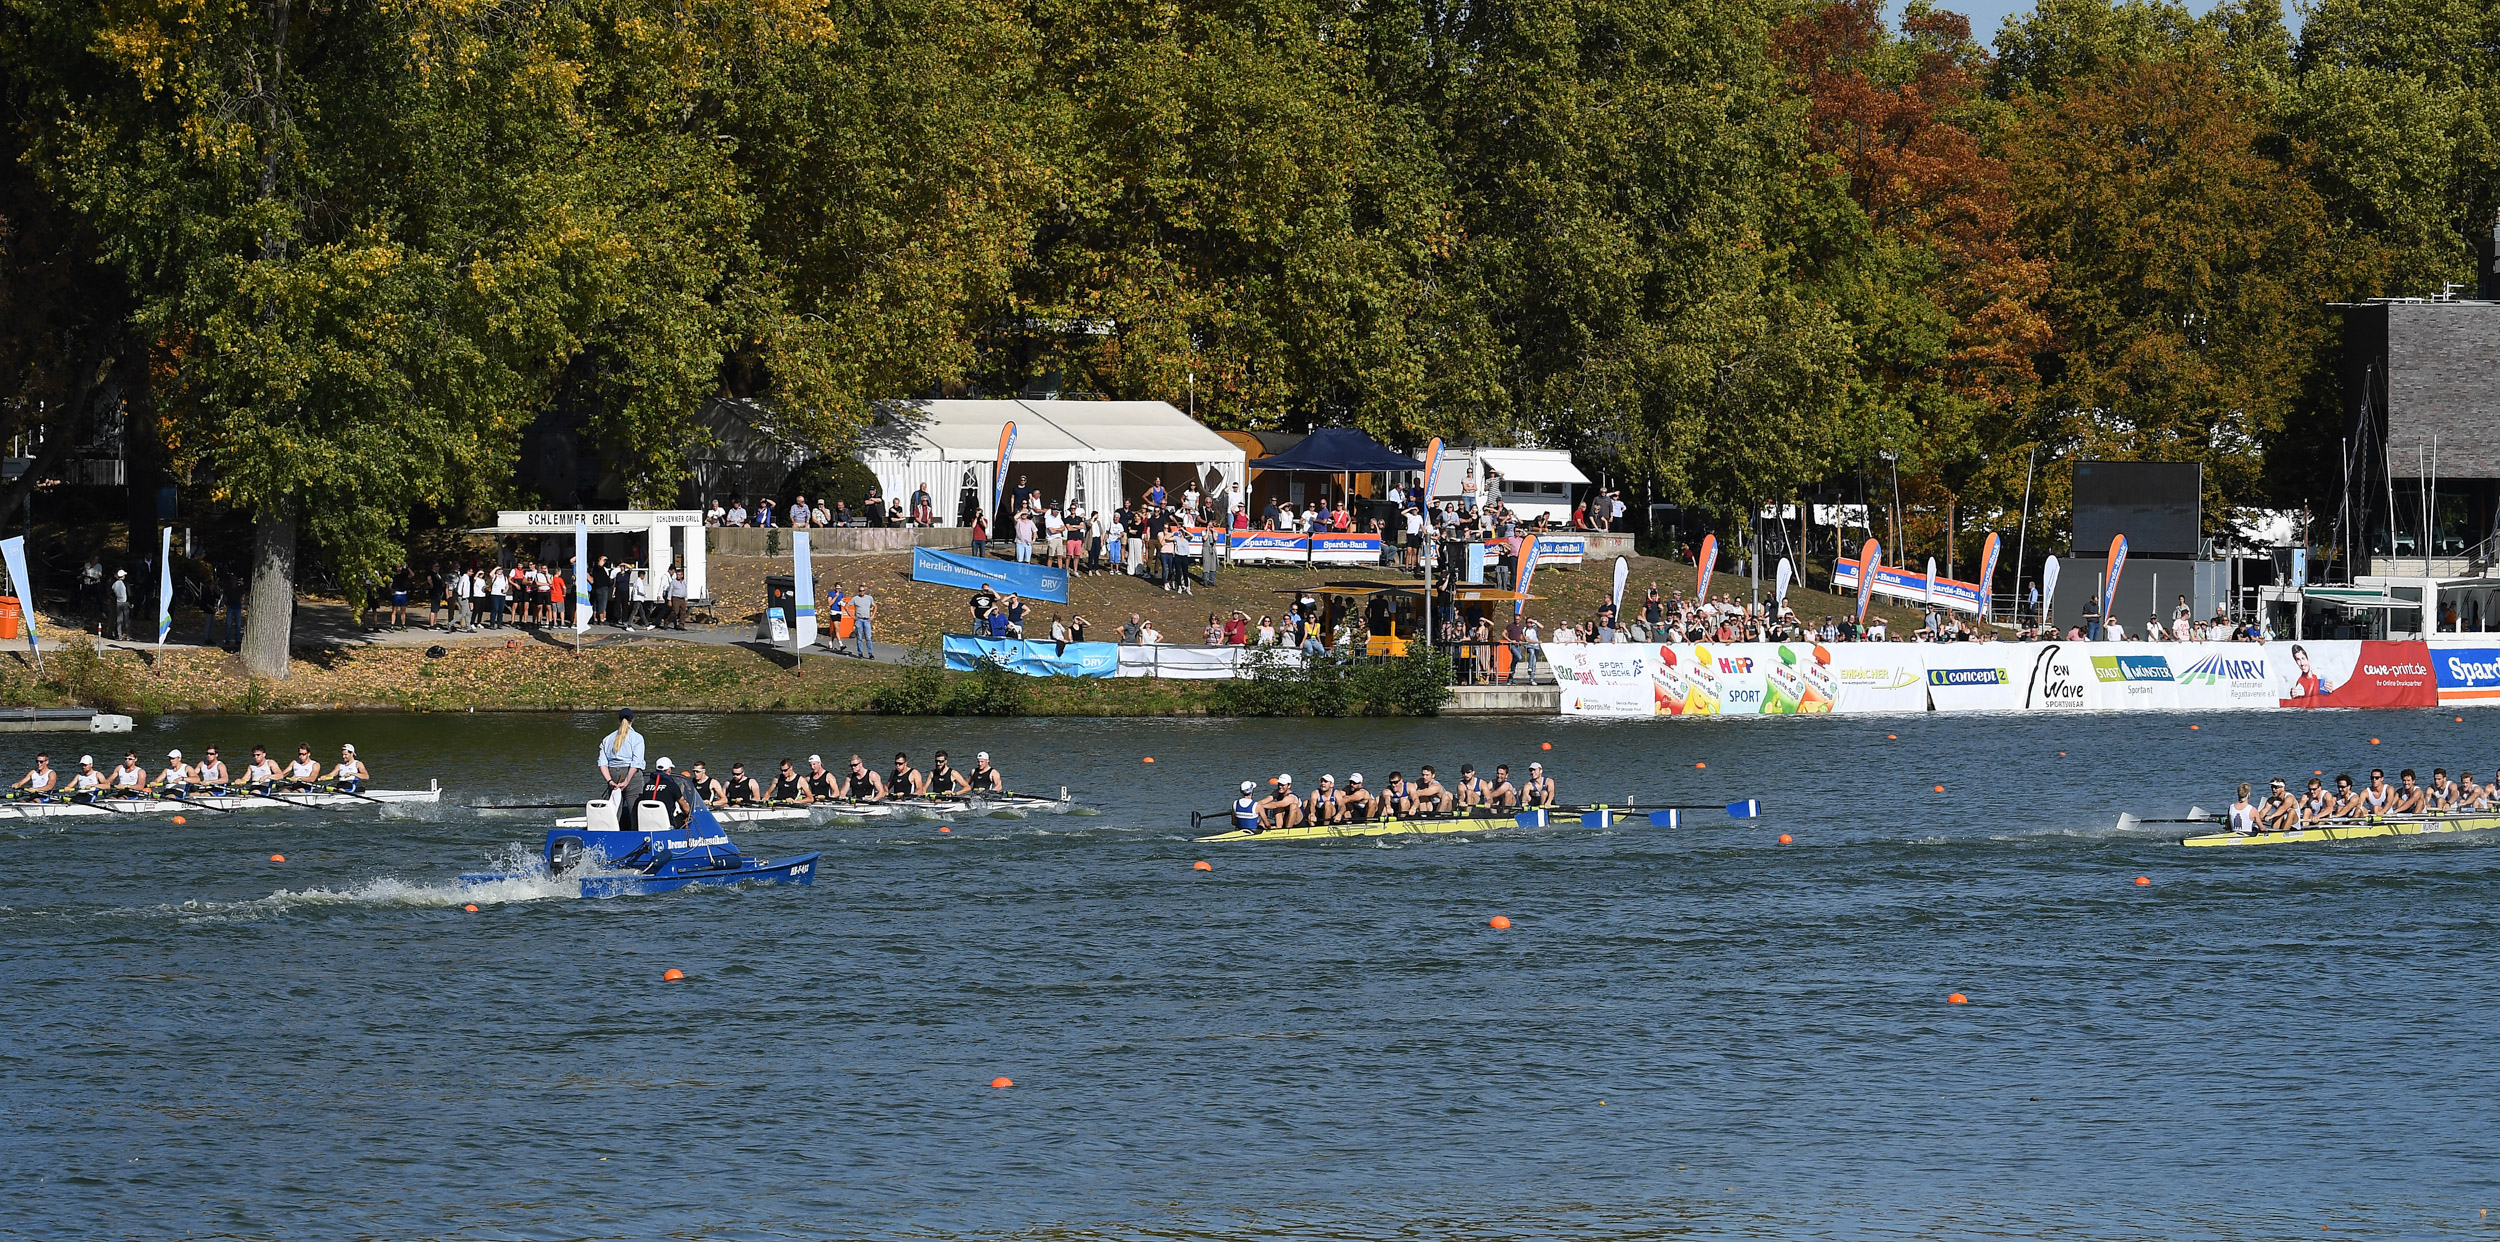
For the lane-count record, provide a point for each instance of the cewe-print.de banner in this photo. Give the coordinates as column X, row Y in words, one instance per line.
column 2343, row 673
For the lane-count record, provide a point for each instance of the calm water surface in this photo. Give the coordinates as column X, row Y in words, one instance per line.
column 1686, row 1031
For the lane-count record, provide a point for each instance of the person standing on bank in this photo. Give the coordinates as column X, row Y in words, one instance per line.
column 121, row 604
column 621, row 757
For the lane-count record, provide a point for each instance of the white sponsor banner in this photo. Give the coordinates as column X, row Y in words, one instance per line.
column 1738, row 679
column 1976, row 677
column 1193, row 663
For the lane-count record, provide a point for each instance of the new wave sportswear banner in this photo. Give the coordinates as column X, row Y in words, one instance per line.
column 1033, row 658
column 971, row 573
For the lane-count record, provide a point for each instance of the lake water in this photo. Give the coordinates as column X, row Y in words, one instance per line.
column 1683, row 1031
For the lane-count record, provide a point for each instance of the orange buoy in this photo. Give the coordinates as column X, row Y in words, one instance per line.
column 1550, row 745
column 180, row 820
column 2196, row 726
column 277, row 858
column 2317, row 771
column 1202, row 865
column 1892, row 737
column 2142, row 880
column 1498, row 923
column 1002, row 1082
column 2460, row 720
column 1939, row 789
column 1701, row 765
column 1783, row 838
column 672, row 974
column 2373, row 741
column 1150, row 758
column 943, row 829
column 471, row 907
column 1957, row 999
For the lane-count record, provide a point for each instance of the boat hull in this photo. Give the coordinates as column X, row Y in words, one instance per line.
column 214, row 803
column 2359, row 830
column 635, row 863
column 1434, row 825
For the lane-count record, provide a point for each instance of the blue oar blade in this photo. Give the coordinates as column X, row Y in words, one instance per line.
column 1747, row 809
column 1532, row 818
column 1600, row 818
column 1666, row 819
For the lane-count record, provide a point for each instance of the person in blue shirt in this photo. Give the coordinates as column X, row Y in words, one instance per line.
column 621, row 756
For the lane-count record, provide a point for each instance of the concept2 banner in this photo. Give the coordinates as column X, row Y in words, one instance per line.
column 1744, row 679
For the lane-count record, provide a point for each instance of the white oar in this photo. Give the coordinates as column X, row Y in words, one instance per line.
column 2195, row 815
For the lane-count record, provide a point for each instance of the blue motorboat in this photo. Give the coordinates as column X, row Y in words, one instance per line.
column 655, row 856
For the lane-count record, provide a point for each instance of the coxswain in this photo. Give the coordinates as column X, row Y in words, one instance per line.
column 2317, row 805
column 2243, row 817
column 262, row 772
column 863, row 785
column 129, row 776
column 2408, row 795
column 707, row 786
column 620, row 757
column 944, row 780
column 2281, row 812
column 1397, row 797
column 905, row 781
column 211, row 772
column 1246, row 809
column 986, row 779
column 350, row 775
column 1280, row 809
column 743, row 791
column 1431, row 797
column 39, row 781
column 1472, row 790
column 305, row 770
column 1539, row 791
column 1360, row 804
column 789, row 787
column 175, row 779
column 86, row 782
column 822, row 784
column 1502, row 795
column 2443, row 792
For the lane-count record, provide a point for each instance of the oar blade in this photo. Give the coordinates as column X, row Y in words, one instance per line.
column 1666, row 819
column 2127, row 822
column 1532, row 818
column 1750, row 808
column 2196, row 812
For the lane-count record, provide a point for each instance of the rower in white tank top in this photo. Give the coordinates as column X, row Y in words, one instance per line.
column 2243, row 814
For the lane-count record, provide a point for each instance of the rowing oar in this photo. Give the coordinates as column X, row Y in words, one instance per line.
column 222, row 810
column 2195, row 815
column 66, row 800
column 1669, row 816
column 527, row 806
column 353, row 794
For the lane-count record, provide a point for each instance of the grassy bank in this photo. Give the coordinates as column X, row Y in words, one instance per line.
column 533, row 676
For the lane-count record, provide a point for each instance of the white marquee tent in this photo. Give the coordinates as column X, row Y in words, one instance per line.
column 1089, row 454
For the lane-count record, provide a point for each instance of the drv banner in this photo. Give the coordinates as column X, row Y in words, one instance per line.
column 972, row 573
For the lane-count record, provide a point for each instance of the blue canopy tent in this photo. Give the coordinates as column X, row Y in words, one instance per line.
column 1338, row 450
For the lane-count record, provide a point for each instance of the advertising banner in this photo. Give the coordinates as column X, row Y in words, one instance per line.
column 1975, row 677
column 802, row 593
column 1561, row 549
column 1988, row 571
column 1737, row 679
column 1907, row 585
column 2468, row 670
column 2223, row 676
column 2343, row 673
column 1033, row 658
column 1287, row 547
column 1346, row 549
column 2059, row 677
column 2134, row 680
column 971, row 573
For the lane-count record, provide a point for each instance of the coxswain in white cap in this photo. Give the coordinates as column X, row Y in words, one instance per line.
column 1246, row 808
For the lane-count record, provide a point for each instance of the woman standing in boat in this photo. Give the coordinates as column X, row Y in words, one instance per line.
column 621, row 757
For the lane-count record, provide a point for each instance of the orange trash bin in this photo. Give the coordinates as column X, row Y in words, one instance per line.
column 10, row 617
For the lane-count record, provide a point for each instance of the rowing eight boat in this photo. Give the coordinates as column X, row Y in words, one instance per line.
column 216, row 802
column 2391, row 826
column 1434, row 825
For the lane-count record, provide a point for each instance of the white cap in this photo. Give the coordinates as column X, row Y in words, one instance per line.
column 1327, row 778
column 1356, row 778
column 173, row 754
column 349, row 747
column 816, row 759
column 87, row 759
column 1284, row 778
column 1536, row 767
column 1247, row 786
column 664, row 765
column 983, row 755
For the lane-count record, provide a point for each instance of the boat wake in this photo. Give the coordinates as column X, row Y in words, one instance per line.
column 528, row 881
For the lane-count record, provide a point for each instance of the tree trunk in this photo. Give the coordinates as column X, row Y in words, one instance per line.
column 269, row 626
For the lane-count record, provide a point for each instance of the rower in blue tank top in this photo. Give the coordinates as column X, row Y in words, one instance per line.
column 1246, row 808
